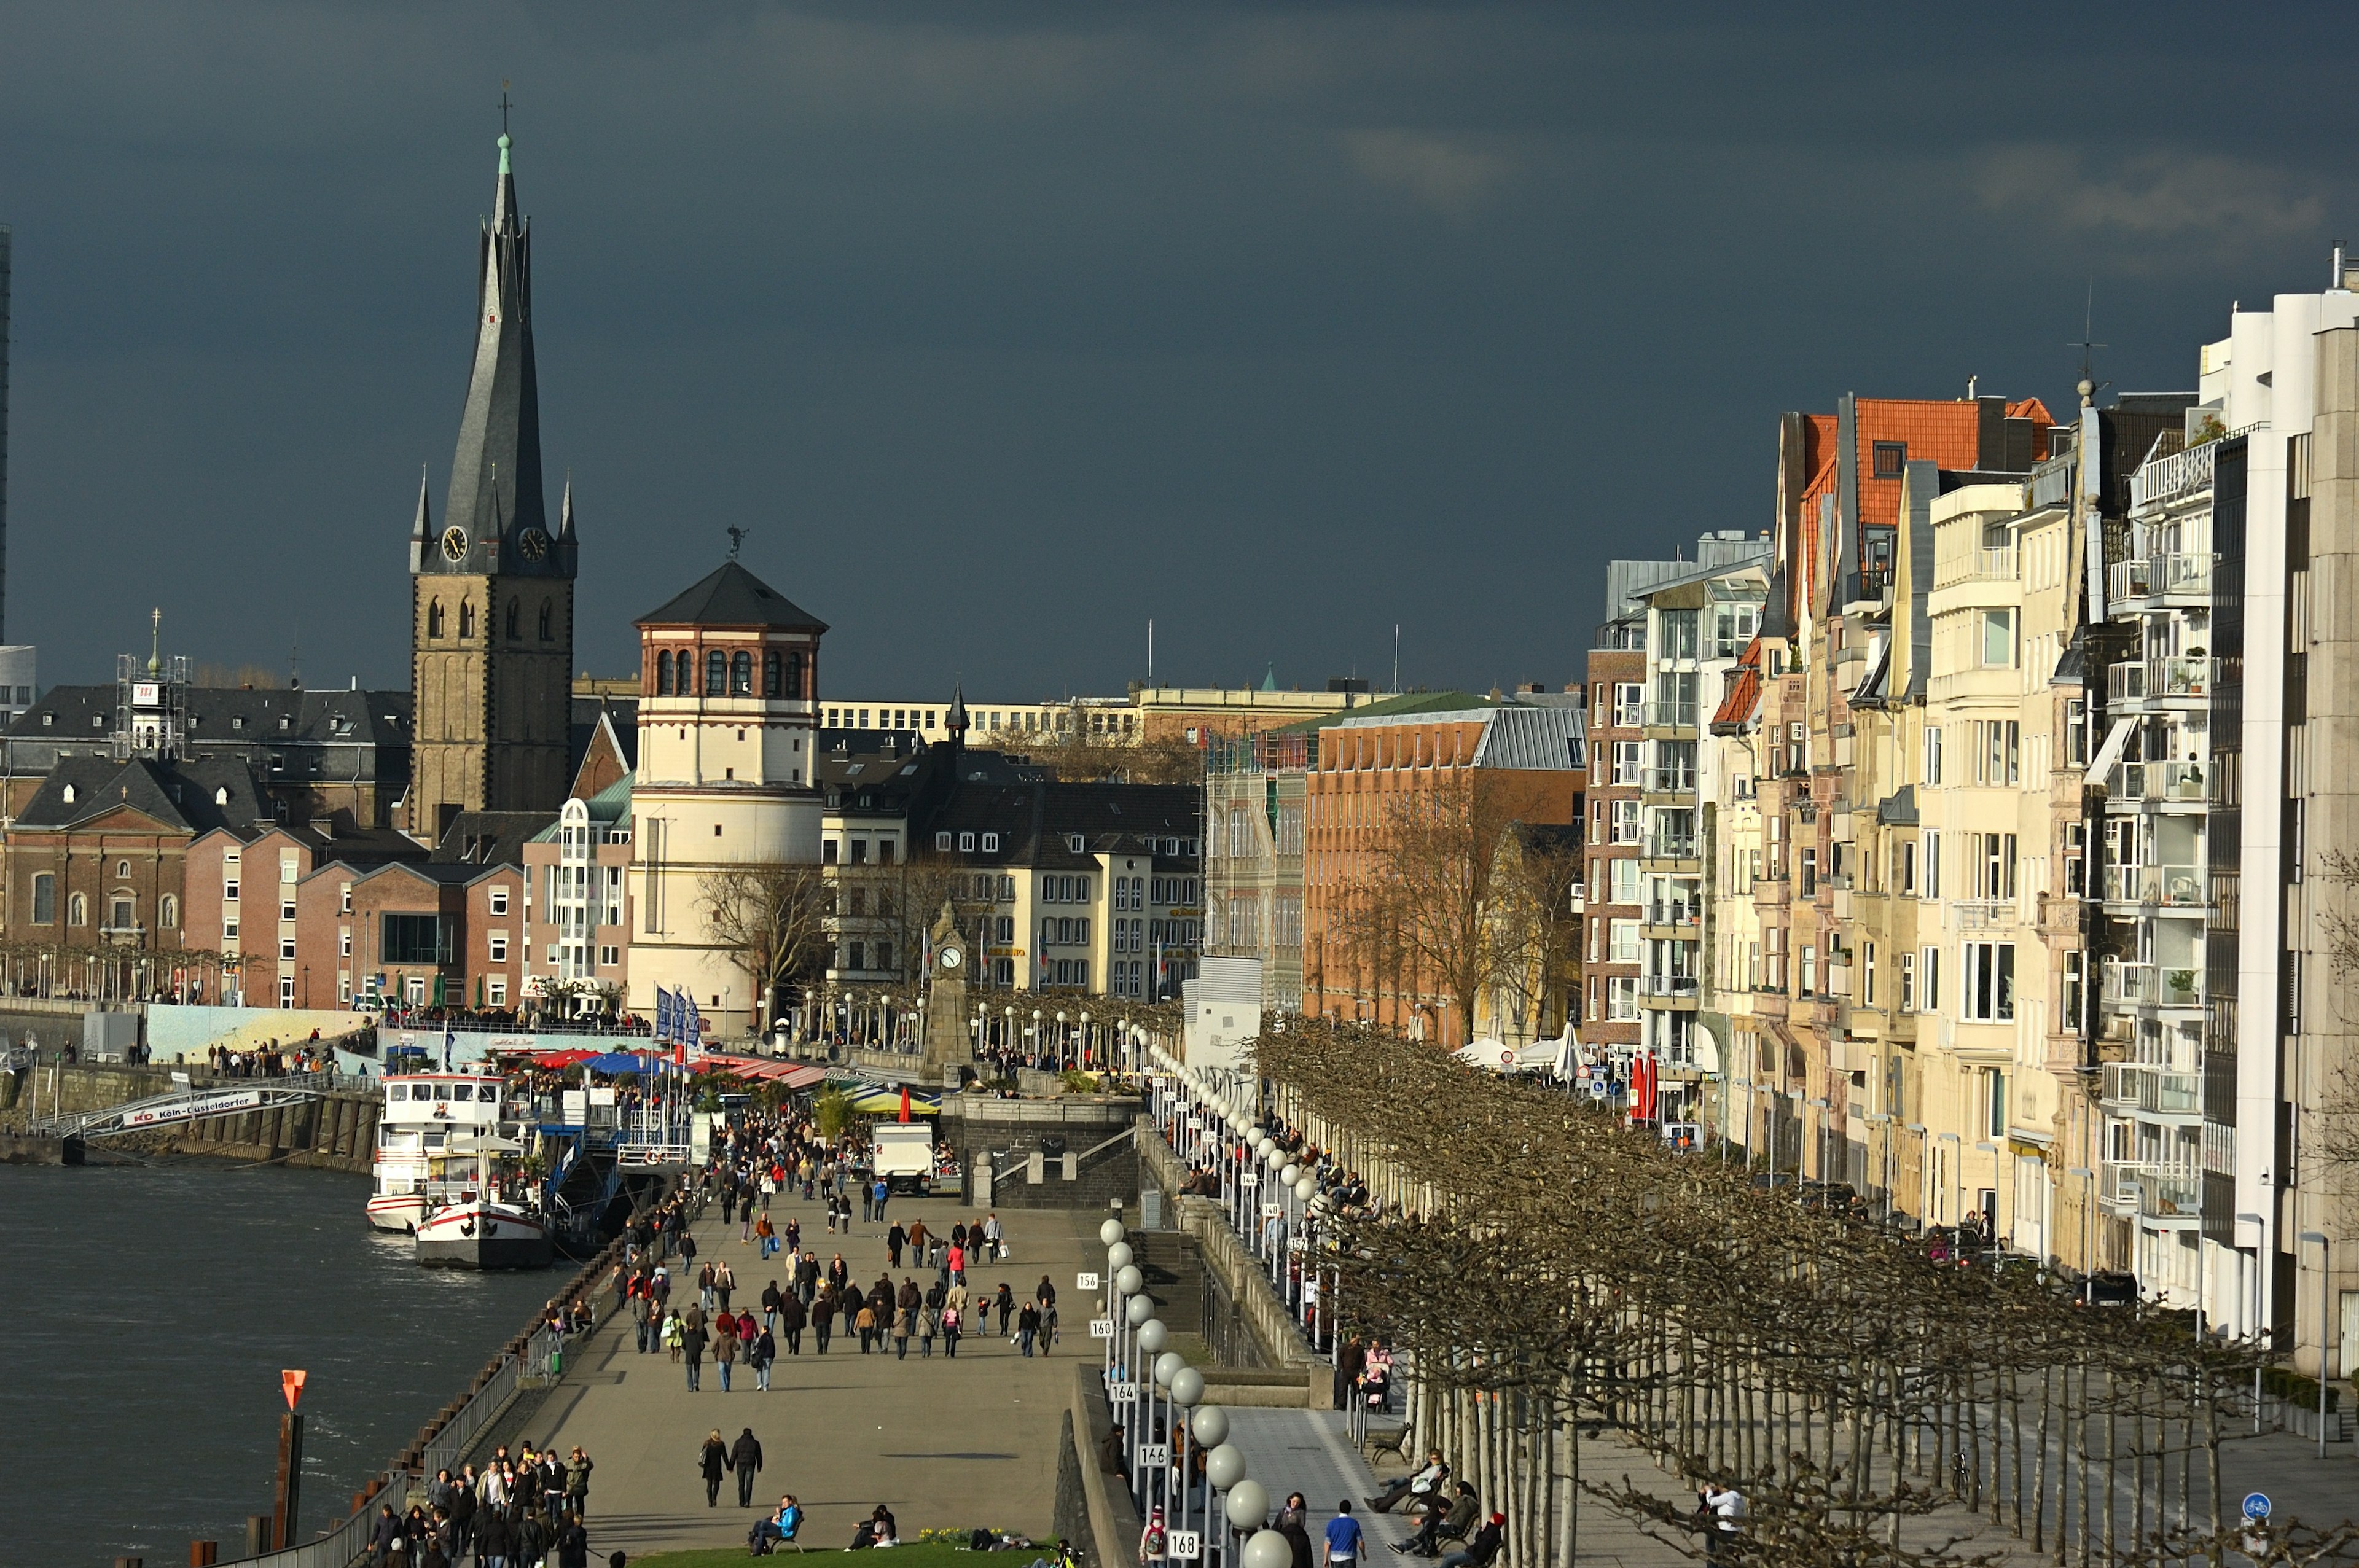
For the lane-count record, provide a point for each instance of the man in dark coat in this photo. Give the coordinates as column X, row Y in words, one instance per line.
column 746, row 1458
column 691, row 1350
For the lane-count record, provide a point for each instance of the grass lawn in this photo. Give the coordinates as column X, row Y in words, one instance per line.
column 930, row 1555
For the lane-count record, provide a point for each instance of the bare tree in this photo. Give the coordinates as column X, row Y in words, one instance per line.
column 1438, row 892
column 773, row 920
column 1537, row 931
column 1078, row 757
column 2336, row 1138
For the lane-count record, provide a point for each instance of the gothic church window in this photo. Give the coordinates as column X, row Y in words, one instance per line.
column 466, row 618
column 434, row 619
column 514, row 609
column 548, row 620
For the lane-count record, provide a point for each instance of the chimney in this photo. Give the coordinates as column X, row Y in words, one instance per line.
column 2338, row 278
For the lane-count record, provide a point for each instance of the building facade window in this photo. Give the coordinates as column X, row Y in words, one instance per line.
column 45, row 898
column 1986, row 982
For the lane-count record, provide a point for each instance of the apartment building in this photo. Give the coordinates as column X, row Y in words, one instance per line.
column 1524, row 758
column 1693, row 772
column 1192, row 714
column 2226, row 714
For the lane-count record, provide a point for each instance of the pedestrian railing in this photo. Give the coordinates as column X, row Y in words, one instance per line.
column 448, row 1447
column 337, row 1549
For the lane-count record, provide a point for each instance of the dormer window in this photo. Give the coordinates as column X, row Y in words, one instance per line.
column 238, row 723
column 1074, row 842
column 48, row 719
column 284, row 722
column 221, row 795
column 991, row 843
column 69, row 795
column 943, row 840
column 98, row 721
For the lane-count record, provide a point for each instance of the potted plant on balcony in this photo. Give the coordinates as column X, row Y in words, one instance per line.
column 2179, row 982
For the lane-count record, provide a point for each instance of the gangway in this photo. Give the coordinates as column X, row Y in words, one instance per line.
column 233, row 1097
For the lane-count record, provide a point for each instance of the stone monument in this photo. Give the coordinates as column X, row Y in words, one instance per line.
column 948, row 1052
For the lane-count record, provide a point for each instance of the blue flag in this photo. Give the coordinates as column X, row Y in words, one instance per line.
column 663, row 1016
column 693, row 1025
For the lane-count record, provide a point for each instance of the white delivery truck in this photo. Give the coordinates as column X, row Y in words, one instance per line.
column 902, row 1155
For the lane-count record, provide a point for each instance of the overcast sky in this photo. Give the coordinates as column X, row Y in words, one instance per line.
column 1004, row 328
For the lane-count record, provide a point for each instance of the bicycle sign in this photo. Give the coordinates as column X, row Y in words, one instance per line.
column 2256, row 1506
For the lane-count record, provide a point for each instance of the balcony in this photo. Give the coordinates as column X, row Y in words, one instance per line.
column 2155, row 1093
column 1668, row 991
column 2180, row 678
column 2166, row 479
column 2169, row 1197
column 1679, row 847
column 1677, row 911
column 1977, row 566
column 2153, row 985
column 1669, row 781
column 2162, row 576
column 1675, row 714
column 2167, row 887
column 2160, row 784
column 1982, row 914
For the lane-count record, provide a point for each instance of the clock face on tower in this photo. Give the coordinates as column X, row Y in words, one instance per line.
column 950, row 959
column 454, row 543
column 535, row 544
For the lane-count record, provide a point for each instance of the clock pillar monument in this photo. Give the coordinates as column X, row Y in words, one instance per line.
column 491, row 626
column 947, row 1049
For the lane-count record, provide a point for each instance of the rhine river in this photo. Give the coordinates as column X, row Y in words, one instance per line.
column 152, row 1311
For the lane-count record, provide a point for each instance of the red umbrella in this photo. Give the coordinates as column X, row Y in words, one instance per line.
column 905, row 1102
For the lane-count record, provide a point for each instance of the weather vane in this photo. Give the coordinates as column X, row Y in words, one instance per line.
column 736, row 542
column 504, row 105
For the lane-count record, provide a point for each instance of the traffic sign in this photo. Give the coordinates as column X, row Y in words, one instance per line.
column 2256, row 1506
column 1597, row 1088
column 1184, row 1546
column 1086, row 1280
column 1154, row 1455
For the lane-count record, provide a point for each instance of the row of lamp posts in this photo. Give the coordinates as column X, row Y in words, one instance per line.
column 1235, row 1505
column 1191, row 1115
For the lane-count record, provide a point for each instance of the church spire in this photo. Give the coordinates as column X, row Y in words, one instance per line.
column 421, row 527
column 495, row 520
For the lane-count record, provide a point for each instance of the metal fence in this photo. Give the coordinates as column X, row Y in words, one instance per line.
column 445, row 1449
column 337, row 1549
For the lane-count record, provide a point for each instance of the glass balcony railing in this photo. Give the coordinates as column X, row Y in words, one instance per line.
column 1674, row 912
column 2150, row 680
column 2186, row 782
column 1670, row 781
column 1674, row 715
column 1668, row 985
column 2170, row 886
column 2156, row 1091
column 2159, row 575
column 1978, row 565
column 2154, row 985
column 2168, row 1192
column 1669, row 846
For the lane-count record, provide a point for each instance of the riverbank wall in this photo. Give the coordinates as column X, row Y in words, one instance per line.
column 336, row 1131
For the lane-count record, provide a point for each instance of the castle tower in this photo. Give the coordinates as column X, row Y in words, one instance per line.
column 491, row 629
column 728, row 717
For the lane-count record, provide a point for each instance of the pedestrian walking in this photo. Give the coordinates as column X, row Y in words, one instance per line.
column 746, row 1458
column 714, row 1459
column 691, row 1350
column 951, row 1320
column 725, row 1347
column 766, row 1350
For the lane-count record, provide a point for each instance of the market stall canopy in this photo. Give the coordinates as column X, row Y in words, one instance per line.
column 887, row 1102
column 619, row 1062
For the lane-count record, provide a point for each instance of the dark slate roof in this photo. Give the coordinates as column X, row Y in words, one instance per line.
column 194, row 797
column 622, row 712
column 731, row 595
column 219, row 716
column 1038, row 823
column 479, row 838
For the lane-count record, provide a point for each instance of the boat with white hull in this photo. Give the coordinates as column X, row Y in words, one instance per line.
column 478, row 1233
column 425, row 1116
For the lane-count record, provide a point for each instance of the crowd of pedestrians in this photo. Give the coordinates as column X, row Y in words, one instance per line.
column 526, row 1508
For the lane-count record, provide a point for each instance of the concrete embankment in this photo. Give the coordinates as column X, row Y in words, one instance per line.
column 336, row 1131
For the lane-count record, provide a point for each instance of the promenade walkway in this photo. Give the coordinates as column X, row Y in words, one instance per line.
column 942, row 1443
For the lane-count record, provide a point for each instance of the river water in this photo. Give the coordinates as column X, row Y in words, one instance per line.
column 151, row 1313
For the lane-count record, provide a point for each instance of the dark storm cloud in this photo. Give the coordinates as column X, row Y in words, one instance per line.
column 1007, row 328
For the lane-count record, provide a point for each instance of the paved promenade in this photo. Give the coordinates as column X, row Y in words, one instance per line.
column 974, row 1441
column 942, row 1443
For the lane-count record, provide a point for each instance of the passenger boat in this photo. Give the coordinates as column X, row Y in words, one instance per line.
column 482, row 1211
column 423, row 1113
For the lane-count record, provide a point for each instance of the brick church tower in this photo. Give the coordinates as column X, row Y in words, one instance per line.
column 491, row 615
